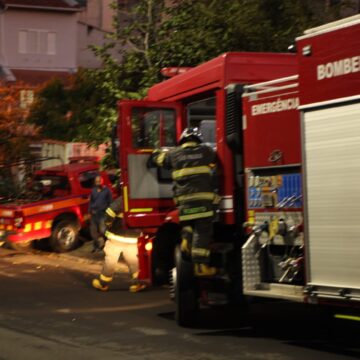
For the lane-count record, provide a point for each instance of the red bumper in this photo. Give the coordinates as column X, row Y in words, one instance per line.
column 19, row 236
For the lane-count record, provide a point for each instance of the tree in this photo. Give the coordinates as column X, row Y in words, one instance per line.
column 158, row 33
column 82, row 109
column 49, row 111
column 16, row 133
column 197, row 30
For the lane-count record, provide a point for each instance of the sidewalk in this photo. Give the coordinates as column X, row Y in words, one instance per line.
column 80, row 259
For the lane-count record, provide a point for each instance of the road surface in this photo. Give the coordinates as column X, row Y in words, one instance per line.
column 49, row 311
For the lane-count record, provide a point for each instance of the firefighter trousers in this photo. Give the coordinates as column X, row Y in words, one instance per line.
column 199, row 234
column 114, row 250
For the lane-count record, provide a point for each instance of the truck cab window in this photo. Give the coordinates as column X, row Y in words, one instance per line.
column 153, row 128
column 52, row 185
column 202, row 114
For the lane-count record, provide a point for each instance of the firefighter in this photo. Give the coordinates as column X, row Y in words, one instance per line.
column 118, row 241
column 193, row 166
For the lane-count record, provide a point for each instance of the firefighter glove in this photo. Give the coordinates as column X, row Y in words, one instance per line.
column 151, row 162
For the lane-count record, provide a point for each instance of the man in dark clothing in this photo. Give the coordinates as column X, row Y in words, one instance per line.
column 100, row 199
column 193, row 167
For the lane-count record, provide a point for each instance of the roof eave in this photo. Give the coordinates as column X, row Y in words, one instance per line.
column 32, row 7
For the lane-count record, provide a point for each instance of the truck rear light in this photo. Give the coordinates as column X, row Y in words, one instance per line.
column 18, row 219
column 148, row 246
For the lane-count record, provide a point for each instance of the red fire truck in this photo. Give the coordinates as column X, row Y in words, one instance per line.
column 275, row 175
column 209, row 97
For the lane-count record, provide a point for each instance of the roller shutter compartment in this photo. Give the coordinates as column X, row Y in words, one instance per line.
column 331, row 139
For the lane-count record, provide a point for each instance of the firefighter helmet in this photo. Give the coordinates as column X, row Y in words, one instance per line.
column 190, row 134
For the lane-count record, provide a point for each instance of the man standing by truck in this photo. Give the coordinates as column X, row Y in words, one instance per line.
column 193, row 167
column 100, row 199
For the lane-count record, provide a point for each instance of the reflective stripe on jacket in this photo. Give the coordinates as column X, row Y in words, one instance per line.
column 193, row 173
column 114, row 215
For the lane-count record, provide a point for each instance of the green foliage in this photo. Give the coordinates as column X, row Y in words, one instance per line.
column 189, row 32
column 82, row 110
column 49, row 110
column 198, row 30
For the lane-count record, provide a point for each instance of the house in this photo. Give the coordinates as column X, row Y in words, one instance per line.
column 38, row 39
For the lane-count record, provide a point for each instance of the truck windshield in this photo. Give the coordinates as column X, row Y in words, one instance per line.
column 153, row 128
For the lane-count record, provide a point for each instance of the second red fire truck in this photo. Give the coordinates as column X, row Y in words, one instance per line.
column 286, row 133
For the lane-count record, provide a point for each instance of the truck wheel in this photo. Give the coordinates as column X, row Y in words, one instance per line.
column 64, row 236
column 162, row 255
column 186, row 294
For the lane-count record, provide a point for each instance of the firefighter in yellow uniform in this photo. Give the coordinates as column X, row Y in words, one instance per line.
column 118, row 240
column 193, row 167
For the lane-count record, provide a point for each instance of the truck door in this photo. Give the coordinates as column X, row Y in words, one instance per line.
column 143, row 127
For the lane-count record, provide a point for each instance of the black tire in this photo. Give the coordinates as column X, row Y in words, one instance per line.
column 22, row 246
column 64, row 236
column 186, row 291
column 162, row 261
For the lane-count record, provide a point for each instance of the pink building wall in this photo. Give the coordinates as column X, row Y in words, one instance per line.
column 63, row 25
column 94, row 24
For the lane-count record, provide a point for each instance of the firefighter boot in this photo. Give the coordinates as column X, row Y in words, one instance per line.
column 186, row 240
column 203, row 270
column 102, row 283
column 185, row 247
column 137, row 288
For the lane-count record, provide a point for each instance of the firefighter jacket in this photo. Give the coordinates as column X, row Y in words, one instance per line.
column 114, row 220
column 193, row 173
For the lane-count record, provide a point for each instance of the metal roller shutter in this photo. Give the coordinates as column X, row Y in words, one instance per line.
column 332, row 182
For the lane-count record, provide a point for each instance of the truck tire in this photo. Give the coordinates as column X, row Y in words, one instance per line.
column 162, row 255
column 64, row 236
column 186, row 293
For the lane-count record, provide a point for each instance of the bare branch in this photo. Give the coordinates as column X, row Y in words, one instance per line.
column 134, row 47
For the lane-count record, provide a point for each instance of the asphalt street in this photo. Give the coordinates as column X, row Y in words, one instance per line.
column 49, row 311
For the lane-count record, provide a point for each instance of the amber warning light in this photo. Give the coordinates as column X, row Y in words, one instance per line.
column 173, row 71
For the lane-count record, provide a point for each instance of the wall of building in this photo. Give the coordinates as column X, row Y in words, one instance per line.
column 40, row 40
column 94, row 24
column 98, row 14
column 90, row 35
column 63, row 151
